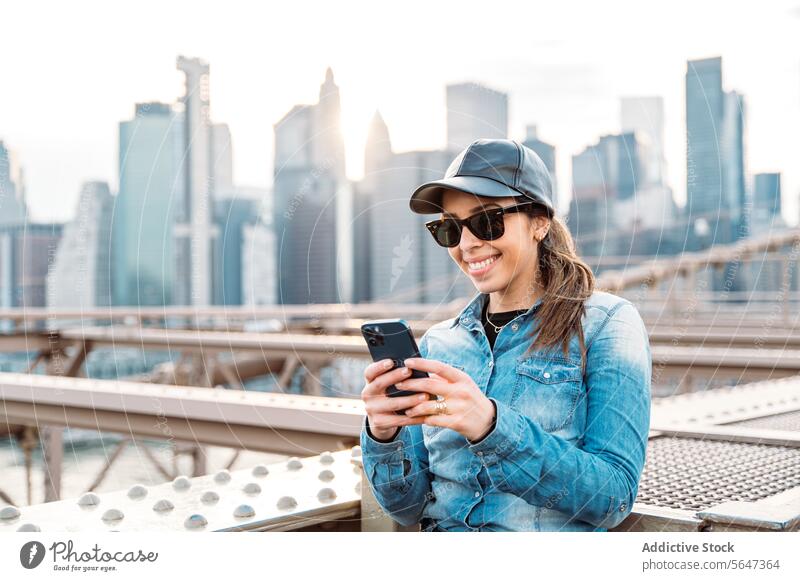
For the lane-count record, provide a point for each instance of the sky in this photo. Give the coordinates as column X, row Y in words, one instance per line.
column 70, row 72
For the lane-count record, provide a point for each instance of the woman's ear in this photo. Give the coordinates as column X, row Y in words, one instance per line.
column 540, row 228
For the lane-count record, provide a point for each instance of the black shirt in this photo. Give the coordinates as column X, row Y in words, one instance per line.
column 498, row 319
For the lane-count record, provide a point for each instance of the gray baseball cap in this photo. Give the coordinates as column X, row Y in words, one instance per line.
column 495, row 168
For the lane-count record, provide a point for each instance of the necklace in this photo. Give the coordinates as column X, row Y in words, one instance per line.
column 495, row 327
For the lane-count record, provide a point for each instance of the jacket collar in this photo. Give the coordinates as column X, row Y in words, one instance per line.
column 470, row 316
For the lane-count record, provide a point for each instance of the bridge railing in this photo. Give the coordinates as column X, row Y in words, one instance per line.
column 727, row 459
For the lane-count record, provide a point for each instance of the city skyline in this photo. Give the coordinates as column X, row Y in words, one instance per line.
column 572, row 94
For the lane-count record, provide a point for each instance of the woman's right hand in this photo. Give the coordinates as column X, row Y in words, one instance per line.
column 383, row 422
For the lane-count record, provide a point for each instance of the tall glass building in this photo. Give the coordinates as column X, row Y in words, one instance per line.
column 150, row 191
column 309, row 175
column 475, row 111
column 714, row 155
column 80, row 275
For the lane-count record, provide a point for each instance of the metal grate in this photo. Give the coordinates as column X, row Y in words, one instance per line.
column 695, row 474
column 789, row 421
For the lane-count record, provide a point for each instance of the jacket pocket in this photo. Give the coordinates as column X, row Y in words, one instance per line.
column 547, row 391
column 390, row 477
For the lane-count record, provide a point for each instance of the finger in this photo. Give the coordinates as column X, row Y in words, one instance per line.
column 373, row 370
column 378, row 385
column 391, row 404
column 425, row 408
column 385, row 421
column 441, row 420
column 427, row 384
column 449, row 372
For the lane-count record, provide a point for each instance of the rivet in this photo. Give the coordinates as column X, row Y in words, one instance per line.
column 286, row 502
column 163, row 505
column 244, row 511
column 222, row 477
column 137, row 491
column 112, row 515
column 209, row 497
column 260, row 471
column 326, row 458
column 181, row 483
column 546, row 374
column 326, row 494
column 252, row 488
column 9, row 513
column 89, row 500
column 294, row 464
column 355, row 451
column 195, row 521
column 327, row 475
column 29, row 528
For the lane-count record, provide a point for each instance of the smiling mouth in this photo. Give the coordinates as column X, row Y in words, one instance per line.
column 483, row 266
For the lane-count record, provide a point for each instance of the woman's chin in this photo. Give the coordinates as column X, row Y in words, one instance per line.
column 487, row 286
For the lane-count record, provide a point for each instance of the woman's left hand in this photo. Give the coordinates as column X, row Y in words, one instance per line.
column 469, row 412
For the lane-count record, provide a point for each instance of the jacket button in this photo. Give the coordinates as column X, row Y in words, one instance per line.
column 622, row 507
column 546, row 374
column 491, row 363
column 514, row 327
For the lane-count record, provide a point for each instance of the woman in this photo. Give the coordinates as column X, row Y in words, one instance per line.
column 542, row 383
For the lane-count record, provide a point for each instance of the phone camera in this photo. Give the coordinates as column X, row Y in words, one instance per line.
column 374, row 336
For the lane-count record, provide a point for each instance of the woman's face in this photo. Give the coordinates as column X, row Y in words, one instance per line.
column 512, row 257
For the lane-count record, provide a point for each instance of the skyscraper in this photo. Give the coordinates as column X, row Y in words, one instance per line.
column 26, row 251
column 377, row 158
column 654, row 206
column 605, row 176
column 194, row 230
column 222, row 160
column 733, row 152
column 80, row 276
column 13, row 209
column 714, row 156
column 232, row 216
column 766, row 214
column 151, row 194
column 309, row 172
column 645, row 116
column 396, row 259
column 545, row 151
column 259, row 272
column 475, row 111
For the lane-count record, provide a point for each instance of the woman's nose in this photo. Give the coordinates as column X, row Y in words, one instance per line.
column 468, row 240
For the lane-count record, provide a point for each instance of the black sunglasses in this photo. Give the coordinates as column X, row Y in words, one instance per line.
column 486, row 225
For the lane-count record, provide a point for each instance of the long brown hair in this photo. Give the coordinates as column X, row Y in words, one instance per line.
column 567, row 282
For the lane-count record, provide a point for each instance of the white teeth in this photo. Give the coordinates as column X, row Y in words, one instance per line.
column 482, row 263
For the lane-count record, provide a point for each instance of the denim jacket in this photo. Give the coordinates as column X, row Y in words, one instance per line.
column 567, row 449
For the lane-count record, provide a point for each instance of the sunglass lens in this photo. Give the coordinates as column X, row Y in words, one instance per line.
column 487, row 225
column 448, row 233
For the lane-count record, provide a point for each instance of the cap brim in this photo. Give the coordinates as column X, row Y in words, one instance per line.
column 427, row 199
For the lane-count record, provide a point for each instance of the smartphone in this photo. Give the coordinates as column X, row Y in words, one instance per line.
column 393, row 339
